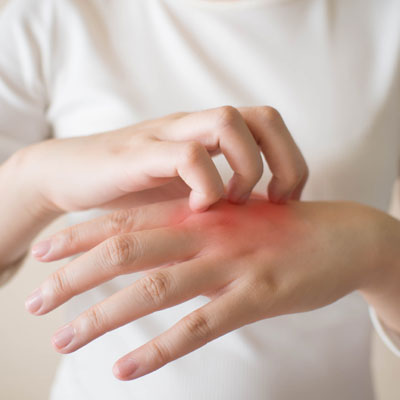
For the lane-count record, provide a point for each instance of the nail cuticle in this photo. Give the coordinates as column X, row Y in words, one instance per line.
column 127, row 368
column 63, row 337
column 41, row 249
column 34, row 301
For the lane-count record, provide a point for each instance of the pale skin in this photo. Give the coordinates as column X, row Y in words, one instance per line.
column 151, row 161
column 301, row 256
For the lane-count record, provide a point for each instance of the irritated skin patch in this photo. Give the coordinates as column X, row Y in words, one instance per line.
column 232, row 226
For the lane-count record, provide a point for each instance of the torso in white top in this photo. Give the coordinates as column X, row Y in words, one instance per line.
column 330, row 67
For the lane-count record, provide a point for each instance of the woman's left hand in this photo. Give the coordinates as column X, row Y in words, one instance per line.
column 253, row 261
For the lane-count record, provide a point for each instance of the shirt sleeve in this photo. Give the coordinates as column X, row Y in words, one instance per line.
column 23, row 92
column 390, row 338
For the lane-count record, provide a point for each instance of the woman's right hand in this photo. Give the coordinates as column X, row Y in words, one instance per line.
column 166, row 158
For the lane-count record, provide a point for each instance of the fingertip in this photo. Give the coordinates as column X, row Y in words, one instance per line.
column 199, row 202
column 238, row 192
column 278, row 199
column 276, row 195
column 34, row 302
column 124, row 369
column 60, row 351
column 41, row 250
column 238, row 198
column 116, row 372
column 200, row 210
column 64, row 338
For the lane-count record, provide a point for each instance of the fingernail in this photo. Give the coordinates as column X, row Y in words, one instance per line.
column 63, row 337
column 125, row 368
column 34, row 301
column 41, row 249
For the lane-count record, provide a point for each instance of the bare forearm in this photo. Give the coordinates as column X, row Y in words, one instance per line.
column 22, row 211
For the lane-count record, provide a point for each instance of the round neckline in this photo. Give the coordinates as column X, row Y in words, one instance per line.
column 232, row 4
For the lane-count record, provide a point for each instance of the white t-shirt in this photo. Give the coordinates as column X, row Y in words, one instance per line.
column 72, row 67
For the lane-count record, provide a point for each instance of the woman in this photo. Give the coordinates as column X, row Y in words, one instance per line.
column 127, row 101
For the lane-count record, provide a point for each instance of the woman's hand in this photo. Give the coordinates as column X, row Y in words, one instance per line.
column 167, row 158
column 254, row 261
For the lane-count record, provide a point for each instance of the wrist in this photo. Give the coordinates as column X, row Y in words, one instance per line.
column 24, row 169
column 23, row 172
column 23, row 210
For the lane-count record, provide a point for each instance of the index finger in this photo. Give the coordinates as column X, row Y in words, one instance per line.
column 86, row 235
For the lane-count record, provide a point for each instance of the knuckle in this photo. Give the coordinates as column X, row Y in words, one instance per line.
column 68, row 237
column 121, row 221
column 306, row 171
column 120, row 250
column 60, row 284
column 227, row 116
column 257, row 170
column 303, row 176
column 269, row 114
column 159, row 353
column 260, row 291
column 198, row 326
column 155, row 287
column 292, row 177
column 96, row 318
column 193, row 153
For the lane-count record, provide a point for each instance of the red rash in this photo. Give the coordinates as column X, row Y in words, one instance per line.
column 258, row 223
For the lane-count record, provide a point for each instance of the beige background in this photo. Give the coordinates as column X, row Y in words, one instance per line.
column 28, row 361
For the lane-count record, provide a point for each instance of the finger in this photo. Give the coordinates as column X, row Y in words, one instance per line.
column 84, row 236
column 284, row 158
column 223, row 129
column 176, row 188
column 216, row 318
column 118, row 255
column 190, row 161
column 162, row 289
column 296, row 194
